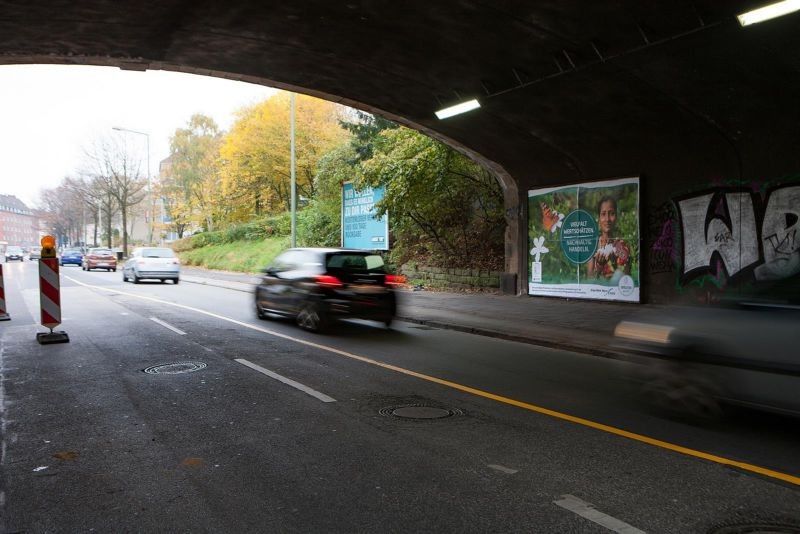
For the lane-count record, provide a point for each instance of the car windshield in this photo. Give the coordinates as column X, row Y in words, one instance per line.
column 356, row 262
column 100, row 251
column 14, row 250
column 158, row 253
column 72, row 251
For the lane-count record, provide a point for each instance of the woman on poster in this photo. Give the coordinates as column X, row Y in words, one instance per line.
column 612, row 259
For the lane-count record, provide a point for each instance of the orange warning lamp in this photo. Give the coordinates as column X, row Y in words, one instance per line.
column 48, row 246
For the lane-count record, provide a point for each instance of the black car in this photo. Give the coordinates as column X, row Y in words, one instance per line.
column 320, row 285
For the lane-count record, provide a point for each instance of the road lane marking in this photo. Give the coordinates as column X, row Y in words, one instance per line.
column 167, row 325
column 588, row 511
column 792, row 479
column 288, row 381
column 506, row 470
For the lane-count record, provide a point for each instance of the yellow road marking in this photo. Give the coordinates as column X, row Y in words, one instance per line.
column 499, row 398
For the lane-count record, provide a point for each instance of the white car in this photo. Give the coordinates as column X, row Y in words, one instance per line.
column 152, row 263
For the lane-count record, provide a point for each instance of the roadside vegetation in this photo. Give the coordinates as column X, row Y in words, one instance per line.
column 226, row 194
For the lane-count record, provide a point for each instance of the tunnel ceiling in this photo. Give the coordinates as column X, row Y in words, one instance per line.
column 570, row 89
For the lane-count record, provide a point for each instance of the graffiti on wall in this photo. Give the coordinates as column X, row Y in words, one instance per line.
column 662, row 229
column 735, row 233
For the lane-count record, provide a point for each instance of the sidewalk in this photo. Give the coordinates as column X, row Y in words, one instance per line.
column 577, row 325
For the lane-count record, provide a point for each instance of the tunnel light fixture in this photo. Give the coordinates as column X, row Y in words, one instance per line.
column 458, row 109
column 778, row 9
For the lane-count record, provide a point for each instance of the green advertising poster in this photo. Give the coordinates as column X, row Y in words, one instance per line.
column 584, row 240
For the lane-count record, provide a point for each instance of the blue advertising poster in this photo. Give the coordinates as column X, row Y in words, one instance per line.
column 360, row 228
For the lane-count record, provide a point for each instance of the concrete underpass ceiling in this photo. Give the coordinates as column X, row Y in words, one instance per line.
column 570, row 89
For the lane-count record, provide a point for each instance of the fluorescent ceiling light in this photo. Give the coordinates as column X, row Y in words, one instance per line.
column 458, row 109
column 771, row 11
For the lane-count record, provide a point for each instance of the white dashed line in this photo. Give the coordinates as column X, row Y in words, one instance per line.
column 167, row 325
column 288, row 381
column 588, row 511
column 506, row 470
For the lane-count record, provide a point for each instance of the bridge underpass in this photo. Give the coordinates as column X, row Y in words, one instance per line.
column 678, row 94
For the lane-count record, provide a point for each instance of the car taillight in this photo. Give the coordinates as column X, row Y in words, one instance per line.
column 326, row 280
column 395, row 280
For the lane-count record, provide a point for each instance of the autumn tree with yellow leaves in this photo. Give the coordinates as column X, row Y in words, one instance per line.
column 255, row 155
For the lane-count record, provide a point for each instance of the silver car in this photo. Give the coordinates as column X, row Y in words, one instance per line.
column 744, row 354
column 152, row 263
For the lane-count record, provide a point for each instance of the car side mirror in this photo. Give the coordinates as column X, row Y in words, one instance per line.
column 268, row 271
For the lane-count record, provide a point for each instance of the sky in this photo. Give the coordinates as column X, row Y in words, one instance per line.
column 50, row 114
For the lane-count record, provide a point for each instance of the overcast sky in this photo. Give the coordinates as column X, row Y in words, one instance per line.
column 49, row 113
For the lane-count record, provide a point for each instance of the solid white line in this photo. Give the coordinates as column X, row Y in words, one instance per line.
column 167, row 325
column 288, row 381
column 588, row 511
column 506, row 470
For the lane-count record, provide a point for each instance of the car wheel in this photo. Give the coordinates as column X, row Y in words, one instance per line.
column 388, row 321
column 124, row 276
column 175, row 281
column 312, row 318
column 135, row 279
column 260, row 313
column 162, row 280
column 676, row 390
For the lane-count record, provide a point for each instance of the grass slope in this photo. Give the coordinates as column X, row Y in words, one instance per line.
column 242, row 256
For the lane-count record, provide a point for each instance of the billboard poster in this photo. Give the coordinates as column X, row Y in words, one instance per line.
column 584, row 241
column 360, row 228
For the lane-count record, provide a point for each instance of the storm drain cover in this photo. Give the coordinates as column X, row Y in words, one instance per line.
column 419, row 411
column 757, row 527
column 175, row 368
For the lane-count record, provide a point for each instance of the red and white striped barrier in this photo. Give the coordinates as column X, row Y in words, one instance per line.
column 50, row 292
column 3, row 315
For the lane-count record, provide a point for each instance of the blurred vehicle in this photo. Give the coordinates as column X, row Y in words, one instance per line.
column 14, row 252
column 154, row 263
column 72, row 256
column 319, row 285
column 36, row 253
column 745, row 354
column 99, row 258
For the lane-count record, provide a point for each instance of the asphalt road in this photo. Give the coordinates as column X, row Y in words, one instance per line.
column 539, row 440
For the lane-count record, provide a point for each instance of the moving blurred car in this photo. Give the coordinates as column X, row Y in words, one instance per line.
column 319, row 285
column 99, row 258
column 745, row 354
column 36, row 253
column 14, row 252
column 72, row 256
column 151, row 262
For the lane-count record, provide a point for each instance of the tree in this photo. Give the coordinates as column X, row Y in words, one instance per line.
column 117, row 176
column 255, row 155
column 440, row 201
column 192, row 182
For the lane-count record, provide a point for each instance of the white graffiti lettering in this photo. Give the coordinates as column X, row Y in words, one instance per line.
column 779, row 234
column 732, row 234
column 728, row 227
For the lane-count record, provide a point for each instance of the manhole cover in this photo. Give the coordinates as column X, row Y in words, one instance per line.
column 175, row 368
column 764, row 527
column 419, row 411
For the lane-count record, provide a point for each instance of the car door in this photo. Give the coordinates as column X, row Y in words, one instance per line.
column 276, row 284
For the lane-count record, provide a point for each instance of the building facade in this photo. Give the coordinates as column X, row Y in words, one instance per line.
column 18, row 224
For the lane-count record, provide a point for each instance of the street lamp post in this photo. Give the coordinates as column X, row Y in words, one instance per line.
column 151, row 211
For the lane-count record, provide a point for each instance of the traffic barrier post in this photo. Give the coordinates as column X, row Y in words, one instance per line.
column 3, row 315
column 50, row 294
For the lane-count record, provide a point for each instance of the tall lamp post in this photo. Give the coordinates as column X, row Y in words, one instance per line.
column 151, row 211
